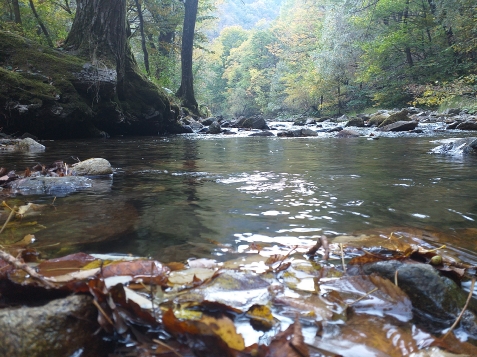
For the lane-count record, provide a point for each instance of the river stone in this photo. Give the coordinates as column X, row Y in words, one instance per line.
column 377, row 118
column 436, row 300
column 26, row 144
column 467, row 125
column 308, row 132
column 92, row 167
column 347, row 134
column 215, row 128
column 262, row 133
column 256, row 122
column 358, row 122
column 400, row 126
column 50, row 185
column 458, row 147
column 60, row 328
column 396, row 117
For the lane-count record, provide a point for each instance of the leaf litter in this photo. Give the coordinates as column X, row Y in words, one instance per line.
column 298, row 302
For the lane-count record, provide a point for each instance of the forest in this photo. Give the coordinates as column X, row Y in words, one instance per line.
column 284, row 57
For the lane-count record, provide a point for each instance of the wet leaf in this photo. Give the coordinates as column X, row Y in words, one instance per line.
column 186, row 277
column 150, row 271
column 67, row 264
column 202, row 263
column 365, row 335
column 225, row 329
column 261, row 317
column 289, row 343
column 389, row 299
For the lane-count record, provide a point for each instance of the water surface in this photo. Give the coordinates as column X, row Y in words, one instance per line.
column 177, row 197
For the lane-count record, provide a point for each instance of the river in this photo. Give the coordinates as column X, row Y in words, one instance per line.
column 172, row 198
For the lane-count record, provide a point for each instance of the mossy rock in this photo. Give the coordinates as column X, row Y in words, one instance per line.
column 45, row 92
column 395, row 117
column 377, row 119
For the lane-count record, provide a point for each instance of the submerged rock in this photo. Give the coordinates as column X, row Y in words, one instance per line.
column 58, row 186
column 436, row 299
column 60, row 328
column 92, row 167
column 463, row 146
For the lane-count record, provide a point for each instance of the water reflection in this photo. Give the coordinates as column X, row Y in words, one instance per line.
column 172, row 198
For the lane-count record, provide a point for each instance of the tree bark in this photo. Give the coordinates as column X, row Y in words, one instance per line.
column 16, row 12
column 99, row 33
column 143, row 36
column 42, row 25
column 186, row 89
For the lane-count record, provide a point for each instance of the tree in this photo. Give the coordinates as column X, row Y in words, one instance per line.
column 186, row 89
column 100, row 34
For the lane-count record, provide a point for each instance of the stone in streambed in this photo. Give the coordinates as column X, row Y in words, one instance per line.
column 92, row 167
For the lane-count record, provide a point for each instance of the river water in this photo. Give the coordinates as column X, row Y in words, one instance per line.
column 172, row 198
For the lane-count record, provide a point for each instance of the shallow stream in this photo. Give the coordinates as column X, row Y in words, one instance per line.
column 178, row 197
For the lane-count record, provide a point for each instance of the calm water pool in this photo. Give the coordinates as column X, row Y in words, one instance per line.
column 177, row 197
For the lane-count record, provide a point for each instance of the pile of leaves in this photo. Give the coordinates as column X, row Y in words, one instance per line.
column 56, row 169
column 295, row 302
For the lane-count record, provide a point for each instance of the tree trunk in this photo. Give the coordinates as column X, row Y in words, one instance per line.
column 143, row 36
column 16, row 12
column 99, row 32
column 186, row 90
column 126, row 100
column 42, row 25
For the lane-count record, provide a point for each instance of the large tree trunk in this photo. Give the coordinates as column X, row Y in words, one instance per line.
column 124, row 97
column 186, row 90
column 16, row 12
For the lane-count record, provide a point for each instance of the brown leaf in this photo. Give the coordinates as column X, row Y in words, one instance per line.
column 147, row 270
column 64, row 265
column 289, row 343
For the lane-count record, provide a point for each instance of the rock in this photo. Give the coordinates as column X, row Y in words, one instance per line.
column 208, row 121
column 263, row 133
column 255, row 122
column 26, row 144
column 463, row 146
column 436, row 299
column 300, row 121
column 60, row 328
column 215, row 128
column 335, row 129
column 377, row 118
column 92, row 167
column 452, row 111
column 58, row 186
column 396, row 117
column 467, row 125
column 347, row 134
column 400, row 126
column 454, row 124
column 359, row 122
column 310, row 121
column 308, row 132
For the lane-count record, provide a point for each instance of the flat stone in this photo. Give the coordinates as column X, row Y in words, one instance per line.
column 400, row 126
column 49, row 185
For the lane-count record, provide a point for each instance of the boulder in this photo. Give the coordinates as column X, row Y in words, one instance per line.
column 215, row 128
column 347, row 134
column 400, row 126
column 467, row 125
column 454, row 124
column 396, row 117
column 92, row 167
column 262, row 133
column 358, row 122
column 60, row 328
column 58, row 186
column 377, row 118
column 308, row 132
column 255, row 122
column 208, row 121
column 463, row 146
column 300, row 121
column 436, row 299
column 26, row 144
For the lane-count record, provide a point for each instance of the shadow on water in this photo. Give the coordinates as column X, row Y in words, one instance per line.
column 173, row 198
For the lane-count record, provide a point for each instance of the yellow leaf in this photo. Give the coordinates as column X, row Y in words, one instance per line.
column 225, row 328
